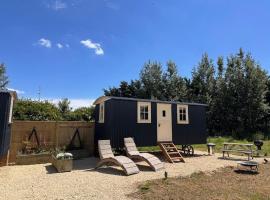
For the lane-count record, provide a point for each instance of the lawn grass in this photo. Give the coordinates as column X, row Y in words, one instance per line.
column 226, row 183
column 219, row 145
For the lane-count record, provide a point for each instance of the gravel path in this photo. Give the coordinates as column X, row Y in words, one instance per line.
column 84, row 182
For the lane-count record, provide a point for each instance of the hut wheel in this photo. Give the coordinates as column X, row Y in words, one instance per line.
column 188, row 150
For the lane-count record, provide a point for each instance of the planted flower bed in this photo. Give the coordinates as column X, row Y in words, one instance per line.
column 30, row 159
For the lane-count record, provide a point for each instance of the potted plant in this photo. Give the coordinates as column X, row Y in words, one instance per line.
column 62, row 161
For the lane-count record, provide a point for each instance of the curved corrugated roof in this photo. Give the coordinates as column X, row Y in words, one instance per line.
column 106, row 98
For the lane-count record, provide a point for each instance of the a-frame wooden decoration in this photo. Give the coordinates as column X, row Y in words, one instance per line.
column 34, row 132
column 72, row 145
column 28, row 146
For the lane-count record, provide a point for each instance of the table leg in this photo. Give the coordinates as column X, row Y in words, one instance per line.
column 251, row 152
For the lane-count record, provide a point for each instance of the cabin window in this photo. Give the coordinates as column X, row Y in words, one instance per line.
column 101, row 112
column 182, row 114
column 10, row 111
column 164, row 113
column 144, row 112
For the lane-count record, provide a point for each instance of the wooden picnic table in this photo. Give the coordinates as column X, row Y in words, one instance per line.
column 238, row 148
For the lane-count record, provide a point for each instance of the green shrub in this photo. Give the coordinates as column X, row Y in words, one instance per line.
column 258, row 136
column 27, row 109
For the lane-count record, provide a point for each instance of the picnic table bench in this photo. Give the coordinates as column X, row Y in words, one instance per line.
column 238, row 148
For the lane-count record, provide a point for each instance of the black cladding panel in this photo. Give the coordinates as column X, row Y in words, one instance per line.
column 195, row 131
column 121, row 121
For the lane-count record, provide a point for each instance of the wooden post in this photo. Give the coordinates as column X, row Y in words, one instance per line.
column 56, row 134
column 7, row 159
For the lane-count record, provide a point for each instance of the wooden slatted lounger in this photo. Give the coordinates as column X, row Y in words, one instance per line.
column 133, row 153
column 107, row 157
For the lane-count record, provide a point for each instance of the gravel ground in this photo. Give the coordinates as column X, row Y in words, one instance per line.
column 84, row 182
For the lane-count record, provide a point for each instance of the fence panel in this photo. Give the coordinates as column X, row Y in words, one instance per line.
column 50, row 134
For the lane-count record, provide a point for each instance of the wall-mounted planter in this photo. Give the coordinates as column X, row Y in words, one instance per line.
column 62, row 165
column 30, row 159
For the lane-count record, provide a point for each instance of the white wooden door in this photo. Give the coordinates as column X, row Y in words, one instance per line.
column 164, row 122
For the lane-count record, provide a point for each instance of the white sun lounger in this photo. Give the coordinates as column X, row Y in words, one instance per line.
column 107, row 157
column 133, row 153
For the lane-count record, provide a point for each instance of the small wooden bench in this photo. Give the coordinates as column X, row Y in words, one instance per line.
column 237, row 148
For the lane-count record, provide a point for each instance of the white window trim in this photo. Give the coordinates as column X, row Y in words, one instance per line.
column 139, row 104
column 11, row 110
column 101, row 119
column 178, row 115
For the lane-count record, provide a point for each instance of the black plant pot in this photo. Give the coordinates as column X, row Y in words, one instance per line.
column 258, row 144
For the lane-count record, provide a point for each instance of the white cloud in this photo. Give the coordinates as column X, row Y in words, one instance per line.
column 45, row 43
column 17, row 91
column 111, row 5
column 75, row 103
column 57, row 5
column 91, row 45
column 60, row 46
column 48, row 44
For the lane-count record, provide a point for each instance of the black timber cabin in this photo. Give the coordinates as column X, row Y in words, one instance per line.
column 149, row 121
column 6, row 105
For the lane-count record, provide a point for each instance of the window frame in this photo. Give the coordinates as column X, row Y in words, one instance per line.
column 178, row 114
column 139, row 104
column 101, row 113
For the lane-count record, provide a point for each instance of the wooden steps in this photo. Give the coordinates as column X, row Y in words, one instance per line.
column 171, row 152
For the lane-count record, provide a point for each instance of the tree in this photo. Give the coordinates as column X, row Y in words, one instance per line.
column 256, row 108
column 245, row 99
column 3, row 77
column 137, row 89
column 112, row 91
column 151, row 78
column 174, row 85
column 133, row 89
column 218, row 123
column 65, row 109
column 203, row 85
column 64, row 106
column 203, row 81
column 83, row 114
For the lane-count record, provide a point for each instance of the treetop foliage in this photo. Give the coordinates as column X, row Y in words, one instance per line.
column 3, row 77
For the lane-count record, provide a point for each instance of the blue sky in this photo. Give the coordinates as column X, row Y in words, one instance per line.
column 75, row 48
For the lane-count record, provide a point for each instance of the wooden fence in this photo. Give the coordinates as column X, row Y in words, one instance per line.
column 50, row 134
